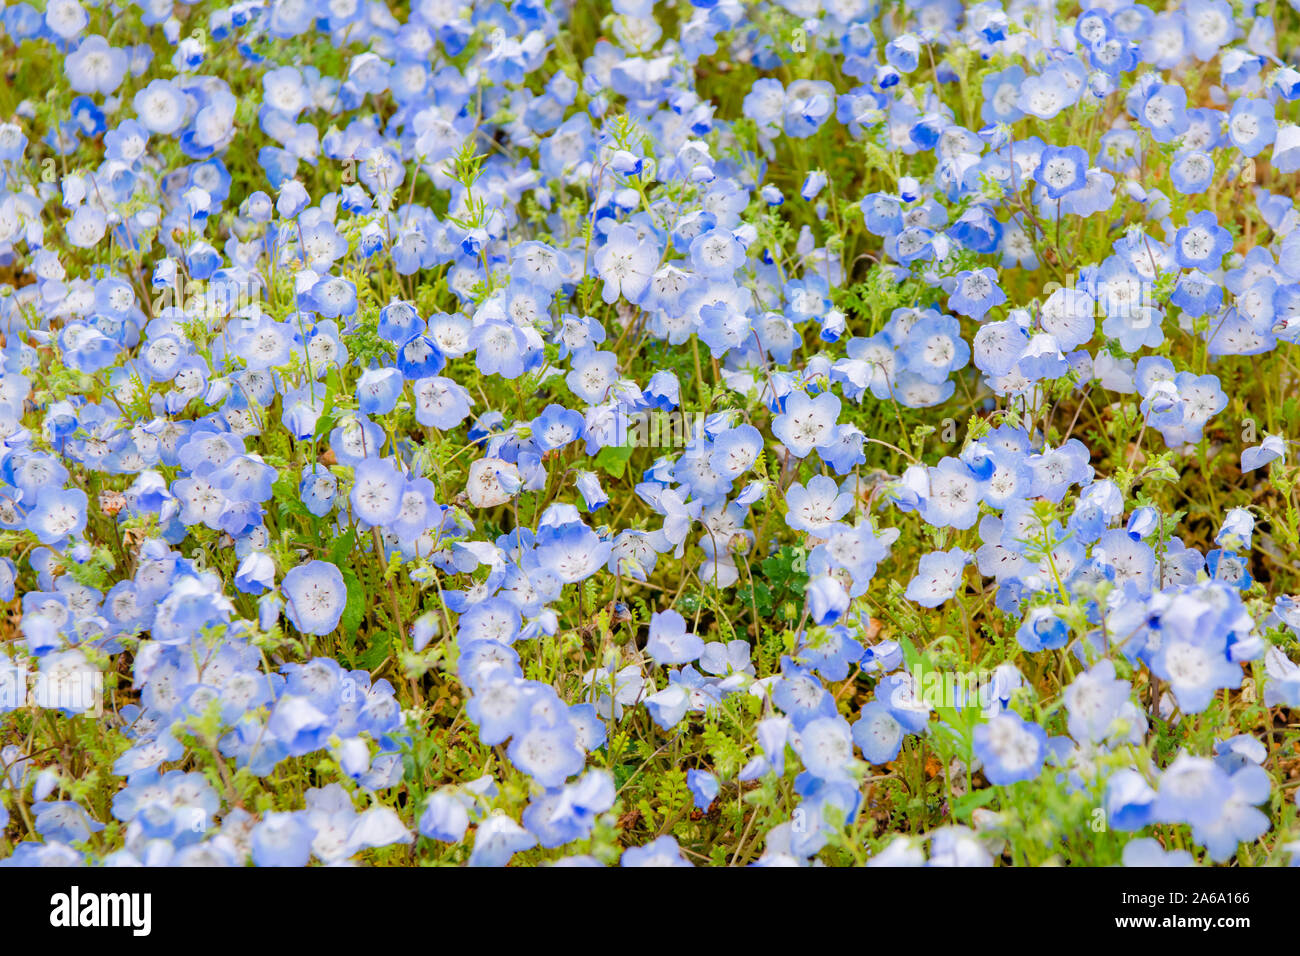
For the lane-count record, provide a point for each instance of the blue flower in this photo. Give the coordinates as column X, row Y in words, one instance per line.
column 1062, row 170
column 703, row 786
column 663, row 851
column 1270, row 449
column 1202, row 243
column 444, row 818
column 878, row 733
column 974, row 294
column 1010, row 748
column 315, row 596
column 669, row 641
column 281, row 839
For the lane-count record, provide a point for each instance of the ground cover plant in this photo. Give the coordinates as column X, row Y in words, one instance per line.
column 710, row 433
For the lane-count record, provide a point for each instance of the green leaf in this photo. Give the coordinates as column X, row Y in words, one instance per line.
column 374, row 655
column 613, row 459
column 342, row 548
column 910, row 653
column 354, row 611
column 968, row 803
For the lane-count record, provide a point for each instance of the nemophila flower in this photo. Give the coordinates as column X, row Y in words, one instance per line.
column 549, row 754
column 806, row 423
column 827, row 600
column 1191, row 171
column 1094, row 701
column 298, row 724
column 1045, row 95
column 704, row 788
column 66, row 18
column 1042, row 360
column 1270, row 449
column 1069, row 315
column 1041, row 629
column 376, row 827
column 938, row 577
column 1227, row 566
column 800, row 695
column 975, row 293
column 281, row 839
column 317, row 489
column 1283, row 683
column 901, row 851
column 878, row 733
column 64, row 821
column 1163, row 111
column 669, row 641
column 722, row 329
column 1286, row 149
column 721, row 660
column 378, row 390
column 1132, row 562
column 999, row 346
column 952, row 498
column 958, row 846
column 1210, row 26
column 1129, row 800
column 573, row 552
column 1239, row 752
column 1147, row 852
column 57, row 514
column 716, row 254
column 817, row 507
column 332, row 297
column 808, row 104
column 556, row 427
column 901, row 693
column 735, row 450
column 376, row 495
column 1062, row 170
column 1197, row 294
column 86, row 227
column 444, row 817
column 765, row 105
column 441, row 402
column 1252, row 125
column 828, row 650
column 625, row 263
column 315, row 595
column 355, row 440
column 1196, row 665
column 95, row 67
column 497, row 839
column 593, row 495
column 1202, row 243
column 591, row 374
column 500, row 348
column 825, row 746
column 668, row 706
column 1236, row 531
column 1053, row 471
column 663, row 851
column 813, row 184
column 492, row 619
column 1010, row 748
column 255, row 574
column 160, row 107
column 564, row 815
column 1000, row 91
column 934, row 348
column 1192, row 790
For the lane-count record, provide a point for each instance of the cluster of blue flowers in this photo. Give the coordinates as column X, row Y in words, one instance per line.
column 329, row 332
